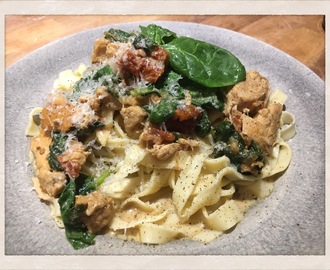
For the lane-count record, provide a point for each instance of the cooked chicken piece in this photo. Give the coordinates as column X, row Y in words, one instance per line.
column 263, row 127
column 151, row 136
column 249, row 110
column 56, row 114
column 130, row 100
column 72, row 159
column 111, row 102
column 51, row 182
column 43, row 196
column 134, row 117
column 104, row 50
column 98, row 210
column 247, row 97
column 101, row 97
column 83, row 116
column 60, row 115
column 165, row 151
column 146, row 67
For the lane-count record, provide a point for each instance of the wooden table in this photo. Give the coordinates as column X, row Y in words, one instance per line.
column 302, row 37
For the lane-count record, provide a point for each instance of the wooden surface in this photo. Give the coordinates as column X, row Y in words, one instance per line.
column 303, row 37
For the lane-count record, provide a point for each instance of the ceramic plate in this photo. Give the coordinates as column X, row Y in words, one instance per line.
column 290, row 221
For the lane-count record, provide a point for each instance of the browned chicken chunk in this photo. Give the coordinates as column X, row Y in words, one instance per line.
column 152, row 135
column 98, row 210
column 60, row 115
column 73, row 158
column 101, row 97
column 247, row 97
column 134, row 117
column 165, row 151
column 249, row 110
column 263, row 127
column 56, row 114
column 103, row 50
column 51, row 182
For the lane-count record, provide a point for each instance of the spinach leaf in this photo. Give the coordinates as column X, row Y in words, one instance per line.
column 204, row 63
column 81, row 133
column 78, row 88
column 169, row 83
column 70, row 214
column 243, row 156
column 211, row 101
column 203, row 127
column 85, row 185
column 223, row 131
column 103, row 76
column 56, row 148
column 144, row 91
column 88, row 184
column 158, row 34
column 106, row 70
column 145, row 43
column 163, row 110
column 79, row 238
column 231, row 144
column 75, row 229
column 117, row 35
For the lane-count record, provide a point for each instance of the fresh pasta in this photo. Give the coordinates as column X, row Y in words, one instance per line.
column 156, row 140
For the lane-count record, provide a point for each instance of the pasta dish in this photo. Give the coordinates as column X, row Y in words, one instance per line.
column 160, row 137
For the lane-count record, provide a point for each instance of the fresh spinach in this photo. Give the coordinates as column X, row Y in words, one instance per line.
column 103, row 76
column 88, row 184
column 172, row 93
column 223, row 131
column 144, row 91
column 107, row 78
column 169, row 83
column 56, row 148
column 204, row 63
column 85, row 185
column 145, row 43
column 210, row 101
column 106, row 70
column 224, row 135
column 118, row 35
column 158, row 34
column 203, row 127
column 78, row 88
column 75, row 229
column 82, row 133
column 163, row 110
column 79, row 238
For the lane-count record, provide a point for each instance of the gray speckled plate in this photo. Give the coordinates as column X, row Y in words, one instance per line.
column 290, row 221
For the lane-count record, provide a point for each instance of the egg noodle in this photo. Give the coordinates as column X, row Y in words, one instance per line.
column 189, row 194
